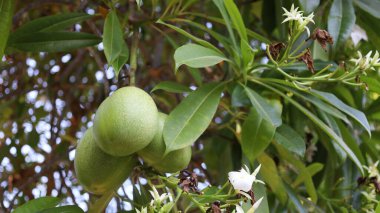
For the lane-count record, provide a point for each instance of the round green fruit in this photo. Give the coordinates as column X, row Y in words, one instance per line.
column 156, row 148
column 97, row 171
column 125, row 122
column 174, row 161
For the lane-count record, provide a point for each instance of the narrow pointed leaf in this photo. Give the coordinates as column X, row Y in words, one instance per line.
column 196, row 56
column 320, row 124
column 6, row 14
column 53, row 41
column 171, row 86
column 272, row 177
column 302, row 171
column 354, row 113
column 188, row 35
column 312, row 169
column 370, row 6
column 236, row 18
column 294, row 198
column 268, row 112
column 51, row 23
column 191, row 117
column 341, row 21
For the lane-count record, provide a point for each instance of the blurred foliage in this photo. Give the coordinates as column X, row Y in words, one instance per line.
column 48, row 99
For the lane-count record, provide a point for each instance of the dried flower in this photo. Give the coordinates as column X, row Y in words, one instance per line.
column 188, row 181
column 275, row 48
column 308, row 60
column 215, row 208
column 243, row 180
column 323, row 37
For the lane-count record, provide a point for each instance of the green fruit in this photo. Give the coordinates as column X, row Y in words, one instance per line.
column 156, row 149
column 97, row 171
column 174, row 161
column 125, row 122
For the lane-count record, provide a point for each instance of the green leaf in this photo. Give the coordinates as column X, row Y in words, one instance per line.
column 140, row 199
column 50, row 23
column 63, row 209
column 354, row 113
column 309, row 5
column 319, row 123
column 121, row 60
column 302, row 171
column 220, row 38
column 239, row 97
column 268, row 112
column 53, row 41
column 260, row 191
column 115, row 48
column 191, row 117
column 370, row 24
column 312, row 169
column 377, row 208
column 214, row 149
column 294, row 198
column 38, row 205
column 220, row 5
column 196, row 56
column 340, row 153
column 370, row 6
column 257, row 133
column 250, row 33
column 271, row 177
column 372, row 82
column 341, row 21
column 310, row 98
column 350, row 141
column 290, row 139
column 236, row 18
column 171, row 86
column 188, row 35
column 6, row 14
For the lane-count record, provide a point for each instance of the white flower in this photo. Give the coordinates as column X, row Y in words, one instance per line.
column 239, row 209
column 157, row 198
column 143, row 210
column 372, row 170
column 297, row 16
column 305, row 21
column 256, row 205
column 358, row 34
column 293, row 14
column 243, row 180
column 367, row 62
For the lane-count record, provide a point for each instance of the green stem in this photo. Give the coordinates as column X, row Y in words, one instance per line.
column 199, row 205
column 227, row 183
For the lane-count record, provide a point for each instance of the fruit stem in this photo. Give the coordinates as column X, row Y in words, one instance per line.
column 134, row 49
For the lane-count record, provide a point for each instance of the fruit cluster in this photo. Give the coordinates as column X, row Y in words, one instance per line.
column 127, row 123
